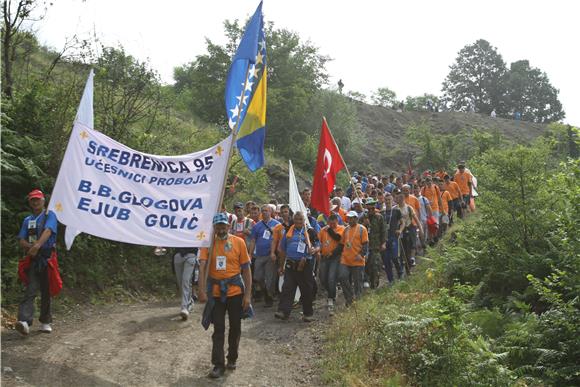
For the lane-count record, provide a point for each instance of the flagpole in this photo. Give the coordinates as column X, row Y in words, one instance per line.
column 234, row 134
column 343, row 162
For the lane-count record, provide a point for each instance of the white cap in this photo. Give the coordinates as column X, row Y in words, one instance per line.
column 352, row 214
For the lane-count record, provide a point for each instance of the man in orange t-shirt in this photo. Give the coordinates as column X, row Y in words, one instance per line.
column 229, row 293
column 463, row 178
column 355, row 245
column 455, row 193
column 446, row 203
column 330, row 237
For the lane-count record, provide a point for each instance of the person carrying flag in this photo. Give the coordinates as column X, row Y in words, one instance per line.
column 227, row 291
column 296, row 264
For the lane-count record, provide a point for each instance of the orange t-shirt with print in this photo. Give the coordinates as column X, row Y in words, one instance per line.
column 412, row 201
column 462, row 180
column 353, row 239
column 326, row 242
column 228, row 257
column 432, row 194
column 445, row 198
column 453, row 189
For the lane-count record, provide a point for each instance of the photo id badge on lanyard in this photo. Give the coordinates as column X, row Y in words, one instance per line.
column 266, row 234
column 239, row 227
column 220, row 263
column 301, row 247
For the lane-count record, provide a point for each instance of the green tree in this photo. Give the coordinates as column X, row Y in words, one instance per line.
column 385, row 97
column 128, row 92
column 419, row 103
column 529, row 92
column 476, row 80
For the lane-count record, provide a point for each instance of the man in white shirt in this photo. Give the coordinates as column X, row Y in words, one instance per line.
column 345, row 202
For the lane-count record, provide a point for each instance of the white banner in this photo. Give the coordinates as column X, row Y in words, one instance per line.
column 294, row 199
column 111, row 191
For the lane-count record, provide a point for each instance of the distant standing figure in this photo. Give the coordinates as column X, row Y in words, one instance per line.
column 401, row 107
column 493, row 114
column 340, row 86
column 518, row 116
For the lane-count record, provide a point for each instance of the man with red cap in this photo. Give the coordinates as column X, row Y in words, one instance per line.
column 37, row 237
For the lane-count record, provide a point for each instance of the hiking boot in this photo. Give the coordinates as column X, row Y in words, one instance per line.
column 231, row 365
column 217, row 372
column 366, row 285
column 23, row 328
column 45, row 328
column 184, row 314
column 413, row 262
column 308, row 319
column 281, row 316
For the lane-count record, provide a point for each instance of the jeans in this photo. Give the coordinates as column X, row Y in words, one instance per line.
column 265, row 273
column 233, row 306
column 305, row 281
column 349, row 291
column 329, row 275
column 36, row 281
column 184, row 266
column 391, row 256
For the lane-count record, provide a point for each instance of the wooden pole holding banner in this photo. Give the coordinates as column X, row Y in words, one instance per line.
column 234, row 135
column 343, row 162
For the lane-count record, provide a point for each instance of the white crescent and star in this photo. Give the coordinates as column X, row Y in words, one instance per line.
column 327, row 161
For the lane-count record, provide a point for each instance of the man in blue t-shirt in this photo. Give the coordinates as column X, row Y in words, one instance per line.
column 296, row 257
column 263, row 242
column 37, row 237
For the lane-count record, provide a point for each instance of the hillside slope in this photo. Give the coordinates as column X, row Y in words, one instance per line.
column 384, row 146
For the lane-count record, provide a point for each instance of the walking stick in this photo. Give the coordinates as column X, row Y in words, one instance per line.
column 405, row 261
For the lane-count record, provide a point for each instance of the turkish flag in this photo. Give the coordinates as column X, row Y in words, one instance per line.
column 328, row 163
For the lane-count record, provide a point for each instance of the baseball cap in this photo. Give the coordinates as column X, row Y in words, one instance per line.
column 397, row 191
column 370, row 202
column 220, row 218
column 239, row 205
column 35, row 194
column 352, row 214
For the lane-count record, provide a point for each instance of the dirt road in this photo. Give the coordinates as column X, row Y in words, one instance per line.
column 148, row 345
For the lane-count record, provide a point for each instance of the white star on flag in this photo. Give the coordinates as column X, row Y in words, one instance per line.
column 259, row 58
column 252, row 71
column 235, row 111
column 244, row 100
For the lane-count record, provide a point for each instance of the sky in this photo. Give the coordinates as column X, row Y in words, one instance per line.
column 406, row 46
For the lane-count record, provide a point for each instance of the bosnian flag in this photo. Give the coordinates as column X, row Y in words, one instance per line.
column 246, row 93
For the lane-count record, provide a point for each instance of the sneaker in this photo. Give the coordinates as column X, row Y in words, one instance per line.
column 22, row 328
column 216, row 372
column 184, row 314
column 231, row 365
column 330, row 302
column 281, row 316
column 46, row 328
column 366, row 285
column 413, row 263
column 308, row 319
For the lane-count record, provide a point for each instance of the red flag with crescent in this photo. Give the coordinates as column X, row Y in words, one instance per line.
column 328, row 163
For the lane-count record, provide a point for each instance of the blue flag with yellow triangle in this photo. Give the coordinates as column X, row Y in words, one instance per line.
column 245, row 94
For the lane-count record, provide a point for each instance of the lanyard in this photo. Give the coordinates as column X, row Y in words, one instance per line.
column 352, row 238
